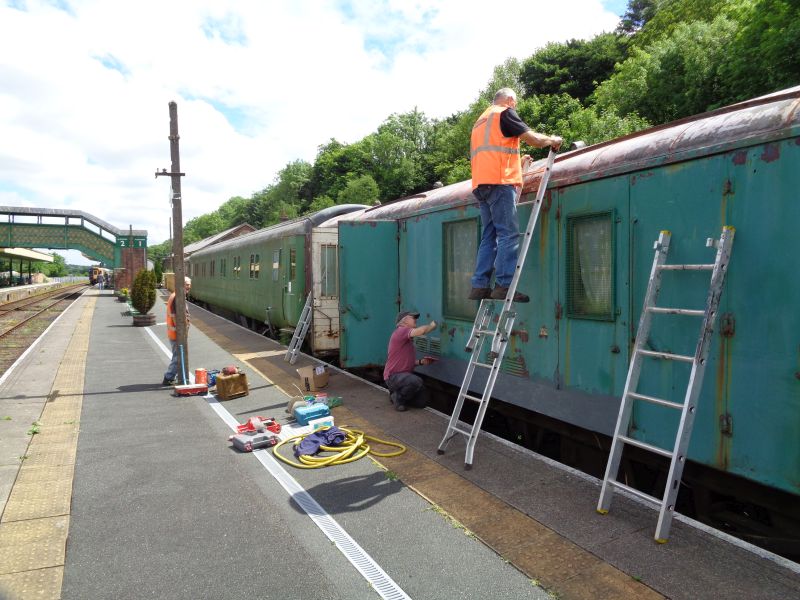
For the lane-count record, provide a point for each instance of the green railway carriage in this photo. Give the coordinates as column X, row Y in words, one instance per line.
column 264, row 277
column 587, row 272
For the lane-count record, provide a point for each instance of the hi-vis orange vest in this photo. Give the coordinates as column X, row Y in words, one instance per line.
column 172, row 331
column 495, row 158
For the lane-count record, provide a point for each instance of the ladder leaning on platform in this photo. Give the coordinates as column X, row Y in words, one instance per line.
column 689, row 405
column 299, row 332
column 482, row 329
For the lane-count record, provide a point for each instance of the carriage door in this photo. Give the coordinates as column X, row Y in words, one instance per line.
column 594, row 305
column 368, row 288
column 325, row 288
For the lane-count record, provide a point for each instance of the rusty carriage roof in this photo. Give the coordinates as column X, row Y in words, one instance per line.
column 297, row 226
column 760, row 120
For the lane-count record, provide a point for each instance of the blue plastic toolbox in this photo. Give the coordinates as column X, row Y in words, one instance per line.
column 304, row 414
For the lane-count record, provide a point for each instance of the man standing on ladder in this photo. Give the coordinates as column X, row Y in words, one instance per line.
column 496, row 182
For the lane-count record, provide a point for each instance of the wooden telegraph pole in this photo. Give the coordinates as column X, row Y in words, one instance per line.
column 177, row 243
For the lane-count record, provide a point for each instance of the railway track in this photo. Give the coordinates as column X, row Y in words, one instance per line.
column 23, row 321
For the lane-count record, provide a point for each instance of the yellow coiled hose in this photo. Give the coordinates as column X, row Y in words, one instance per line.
column 352, row 448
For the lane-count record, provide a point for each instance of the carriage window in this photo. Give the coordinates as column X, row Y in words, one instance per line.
column 252, row 266
column 276, row 264
column 213, row 264
column 257, row 266
column 292, row 263
column 222, row 267
column 460, row 249
column 329, row 272
column 590, row 269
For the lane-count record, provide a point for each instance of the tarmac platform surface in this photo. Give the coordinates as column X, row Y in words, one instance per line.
column 127, row 491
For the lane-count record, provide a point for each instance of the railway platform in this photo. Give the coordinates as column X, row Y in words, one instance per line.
column 112, row 487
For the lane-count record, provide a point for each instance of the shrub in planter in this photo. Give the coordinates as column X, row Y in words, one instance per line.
column 143, row 296
column 122, row 295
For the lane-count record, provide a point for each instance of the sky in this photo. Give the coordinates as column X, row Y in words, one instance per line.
column 85, row 87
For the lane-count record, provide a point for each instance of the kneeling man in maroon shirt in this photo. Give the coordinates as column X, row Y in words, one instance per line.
column 406, row 388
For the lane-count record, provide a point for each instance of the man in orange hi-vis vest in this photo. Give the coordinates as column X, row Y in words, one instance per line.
column 172, row 334
column 496, row 180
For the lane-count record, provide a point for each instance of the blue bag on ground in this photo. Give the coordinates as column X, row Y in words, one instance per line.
column 333, row 436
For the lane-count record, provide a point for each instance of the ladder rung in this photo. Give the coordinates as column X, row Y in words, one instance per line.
column 475, row 398
column 461, row 431
column 643, row 446
column 486, row 365
column 686, row 267
column 655, row 400
column 677, row 311
column 666, row 355
column 484, row 332
column 634, row 491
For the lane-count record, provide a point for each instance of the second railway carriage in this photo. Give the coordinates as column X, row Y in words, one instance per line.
column 586, row 273
column 264, row 277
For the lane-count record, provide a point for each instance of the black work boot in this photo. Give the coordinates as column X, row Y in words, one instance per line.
column 479, row 293
column 500, row 293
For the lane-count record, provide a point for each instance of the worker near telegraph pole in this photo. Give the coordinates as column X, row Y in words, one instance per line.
column 172, row 334
column 496, row 183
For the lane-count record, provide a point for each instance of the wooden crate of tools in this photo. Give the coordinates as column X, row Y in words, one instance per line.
column 232, row 386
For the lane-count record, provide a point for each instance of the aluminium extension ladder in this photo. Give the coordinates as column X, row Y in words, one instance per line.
column 688, row 407
column 299, row 332
column 482, row 329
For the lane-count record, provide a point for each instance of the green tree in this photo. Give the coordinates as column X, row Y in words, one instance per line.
column 575, row 67
column 143, row 291
column 236, row 211
column 639, row 12
column 335, row 163
column 57, row 268
column 359, row 190
column 674, row 77
column 763, row 56
column 291, row 183
column 202, row 227
column 670, row 14
column 320, row 203
column 158, row 270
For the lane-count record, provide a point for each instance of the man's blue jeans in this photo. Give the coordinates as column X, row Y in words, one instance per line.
column 172, row 369
column 499, row 245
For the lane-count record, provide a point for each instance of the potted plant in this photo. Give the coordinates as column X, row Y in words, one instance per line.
column 122, row 295
column 143, row 297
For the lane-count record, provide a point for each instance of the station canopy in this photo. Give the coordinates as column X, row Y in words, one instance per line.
column 24, row 254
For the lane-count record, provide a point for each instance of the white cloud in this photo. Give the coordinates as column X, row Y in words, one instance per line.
column 84, row 92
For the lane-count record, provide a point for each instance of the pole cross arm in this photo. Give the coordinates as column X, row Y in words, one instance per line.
column 164, row 173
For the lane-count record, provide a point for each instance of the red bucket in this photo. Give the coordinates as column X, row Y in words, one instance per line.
column 200, row 376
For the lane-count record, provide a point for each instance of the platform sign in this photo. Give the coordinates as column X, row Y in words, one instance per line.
column 138, row 242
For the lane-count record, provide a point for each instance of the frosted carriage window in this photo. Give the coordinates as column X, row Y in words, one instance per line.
column 590, row 267
column 276, row 264
column 329, row 272
column 460, row 249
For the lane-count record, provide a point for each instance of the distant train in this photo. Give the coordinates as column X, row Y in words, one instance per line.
column 263, row 278
column 96, row 273
column 586, row 274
